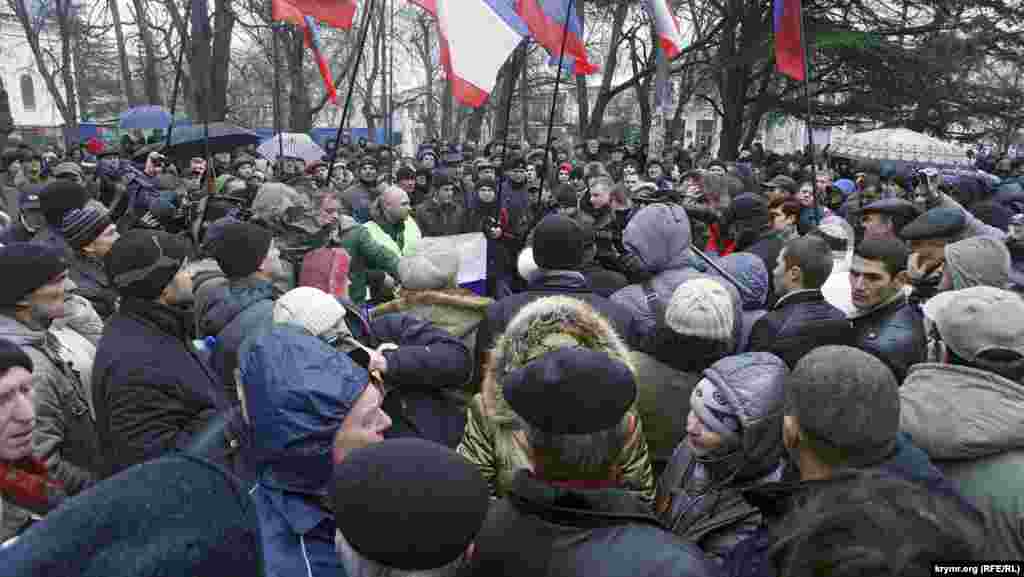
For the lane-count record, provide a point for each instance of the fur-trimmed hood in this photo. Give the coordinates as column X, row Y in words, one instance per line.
column 540, row 327
column 457, row 311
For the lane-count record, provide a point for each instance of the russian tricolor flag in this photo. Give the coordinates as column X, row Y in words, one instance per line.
column 546, row 21
column 337, row 13
column 312, row 33
column 670, row 39
column 476, row 38
column 789, row 46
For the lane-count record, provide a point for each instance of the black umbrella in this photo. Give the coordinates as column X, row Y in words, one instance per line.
column 189, row 141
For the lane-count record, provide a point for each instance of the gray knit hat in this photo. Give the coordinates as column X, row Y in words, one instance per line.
column 312, row 309
column 83, row 225
column 847, row 399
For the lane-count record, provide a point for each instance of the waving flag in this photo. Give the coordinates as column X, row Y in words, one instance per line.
column 313, row 41
column 337, row 13
column 476, row 38
column 546, row 21
column 789, row 45
column 670, row 39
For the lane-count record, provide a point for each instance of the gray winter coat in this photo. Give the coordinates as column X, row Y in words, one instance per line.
column 970, row 423
column 660, row 236
column 65, row 433
column 703, row 503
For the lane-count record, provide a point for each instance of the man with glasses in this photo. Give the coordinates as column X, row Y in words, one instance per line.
column 152, row 392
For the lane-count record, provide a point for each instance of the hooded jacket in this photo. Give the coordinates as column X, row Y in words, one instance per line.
column 494, row 441
column 978, row 261
column 65, row 433
column 659, row 235
column 754, row 289
column 244, row 307
column 298, row 392
column 703, row 502
column 969, row 421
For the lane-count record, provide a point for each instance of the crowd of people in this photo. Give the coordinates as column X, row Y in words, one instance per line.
column 783, row 365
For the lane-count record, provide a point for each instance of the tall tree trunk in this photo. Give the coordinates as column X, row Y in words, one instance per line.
column 299, row 119
column 220, row 56
column 150, row 64
column 64, row 21
column 84, row 91
column 610, row 64
column 509, row 77
column 122, row 54
column 369, row 110
column 524, row 100
column 446, row 111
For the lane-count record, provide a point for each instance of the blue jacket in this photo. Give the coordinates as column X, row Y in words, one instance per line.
column 298, row 392
column 243, row 307
column 428, row 364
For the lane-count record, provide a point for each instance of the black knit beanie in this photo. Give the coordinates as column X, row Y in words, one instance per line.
column 241, row 248
column 60, row 196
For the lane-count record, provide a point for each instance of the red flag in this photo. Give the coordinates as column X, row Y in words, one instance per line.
column 789, row 45
column 337, row 13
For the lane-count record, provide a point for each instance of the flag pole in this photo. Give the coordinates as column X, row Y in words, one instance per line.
column 554, row 97
column 177, row 76
column 391, row 81
column 508, row 117
column 805, row 42
column 351, row 86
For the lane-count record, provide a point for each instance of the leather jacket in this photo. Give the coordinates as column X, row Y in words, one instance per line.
column 894, row 332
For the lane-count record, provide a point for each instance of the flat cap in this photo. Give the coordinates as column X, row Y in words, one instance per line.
column 934, row 224
column 895, row 207
column 571, row 391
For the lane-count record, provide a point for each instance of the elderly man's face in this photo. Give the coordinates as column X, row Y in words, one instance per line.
column 17, row 414
column 364, row 425
column 396, row 205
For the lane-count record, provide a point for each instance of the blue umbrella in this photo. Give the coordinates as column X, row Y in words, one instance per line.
column 145, row 117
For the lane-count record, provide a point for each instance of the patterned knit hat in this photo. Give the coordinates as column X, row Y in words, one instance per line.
column 83, row 225
column 702, row 307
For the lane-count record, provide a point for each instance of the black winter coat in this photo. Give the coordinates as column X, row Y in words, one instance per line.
column 798, row 323
column 151, row 391
column 542, row 530
column 425, row 370
column 893, row 333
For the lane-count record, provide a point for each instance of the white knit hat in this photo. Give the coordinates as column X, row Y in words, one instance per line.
column 702, row 307
column 312, row 309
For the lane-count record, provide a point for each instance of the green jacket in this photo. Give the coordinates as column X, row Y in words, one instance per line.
column 399, row 239
column 365, row 254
